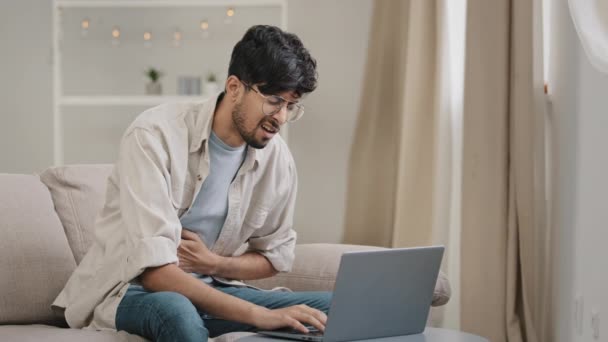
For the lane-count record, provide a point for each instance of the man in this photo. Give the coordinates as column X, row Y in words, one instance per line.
column 203, row 193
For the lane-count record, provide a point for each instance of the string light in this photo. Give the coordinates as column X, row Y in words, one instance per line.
column 147, row 39
column 229, row 15
column 177, row 37
column 205, row 28
column 84, row 27
column 116, row 32
column 116, row 36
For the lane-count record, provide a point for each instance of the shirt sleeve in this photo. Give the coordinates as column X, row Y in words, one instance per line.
column 276, row 240
column 152, row 226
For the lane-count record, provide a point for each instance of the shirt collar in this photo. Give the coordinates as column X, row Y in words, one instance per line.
column 202, row 125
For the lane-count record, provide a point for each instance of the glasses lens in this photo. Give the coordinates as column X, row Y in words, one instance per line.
column 295, row 113
column 273, row 105
column 270, row 107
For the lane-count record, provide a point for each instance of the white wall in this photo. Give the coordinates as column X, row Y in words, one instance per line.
column 26, row 115
column 580, row 215
column 336, row 33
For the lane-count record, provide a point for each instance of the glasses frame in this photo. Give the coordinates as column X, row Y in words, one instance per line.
column 299, row 108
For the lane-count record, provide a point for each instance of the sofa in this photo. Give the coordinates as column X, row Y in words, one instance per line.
column 46, row 226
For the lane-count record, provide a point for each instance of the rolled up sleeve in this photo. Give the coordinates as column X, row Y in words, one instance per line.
column 277, row 239
column 151, row 223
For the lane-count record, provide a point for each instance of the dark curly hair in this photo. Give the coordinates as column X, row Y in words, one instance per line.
column 274, row 60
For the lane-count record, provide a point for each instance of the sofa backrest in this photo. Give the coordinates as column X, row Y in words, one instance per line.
column 78, row 192
column 35, row 258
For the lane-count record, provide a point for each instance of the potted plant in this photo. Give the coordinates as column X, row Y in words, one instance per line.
column 211, row 85
column 153, row 87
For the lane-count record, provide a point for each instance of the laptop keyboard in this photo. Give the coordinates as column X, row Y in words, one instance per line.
column 311, row 331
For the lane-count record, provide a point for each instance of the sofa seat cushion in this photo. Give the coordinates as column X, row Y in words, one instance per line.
column 78, row 192
column 35, row 258
column 27, row 333
column 36, row 333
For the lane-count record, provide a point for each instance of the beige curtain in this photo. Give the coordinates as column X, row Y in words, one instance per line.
column 401, row 187
column 393, row 153
column 401, row 161
column 505, row 259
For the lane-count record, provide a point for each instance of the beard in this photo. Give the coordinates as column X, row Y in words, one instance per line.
column 249, row 136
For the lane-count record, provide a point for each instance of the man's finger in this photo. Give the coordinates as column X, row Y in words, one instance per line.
column 307, row 318
column 189, row 235
column 295, row 324
column 318, row 314
column 185, row 244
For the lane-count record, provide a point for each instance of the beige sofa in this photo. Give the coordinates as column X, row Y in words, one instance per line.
column 46, row 225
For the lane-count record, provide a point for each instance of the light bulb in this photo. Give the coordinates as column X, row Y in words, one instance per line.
column 84, row 27
column 229, row 15
column 177, row 37
column 115, row 36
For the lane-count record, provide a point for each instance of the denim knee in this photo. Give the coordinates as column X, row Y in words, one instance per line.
column 322, row 301
column 179, row 319
column 161, row 316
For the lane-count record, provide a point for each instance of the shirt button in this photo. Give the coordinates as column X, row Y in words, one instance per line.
column 199, row 178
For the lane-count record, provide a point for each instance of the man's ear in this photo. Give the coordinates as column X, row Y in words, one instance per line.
column 233, row 87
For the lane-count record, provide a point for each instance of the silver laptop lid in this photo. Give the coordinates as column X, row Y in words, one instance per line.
column 383, row 293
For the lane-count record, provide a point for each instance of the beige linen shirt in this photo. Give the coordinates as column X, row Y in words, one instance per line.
column 163, row 161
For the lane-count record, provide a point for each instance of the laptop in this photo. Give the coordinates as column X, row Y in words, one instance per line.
column 378, row 294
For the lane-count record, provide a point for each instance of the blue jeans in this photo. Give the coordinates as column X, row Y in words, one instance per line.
column 170, row 316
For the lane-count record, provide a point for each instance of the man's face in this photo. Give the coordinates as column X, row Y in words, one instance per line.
column 255, row 127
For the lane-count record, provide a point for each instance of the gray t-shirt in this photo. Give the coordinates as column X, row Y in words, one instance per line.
column 208, row 213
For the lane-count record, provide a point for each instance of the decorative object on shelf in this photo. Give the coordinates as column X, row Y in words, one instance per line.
column 153, row 87
column 211, row 86
column 188, row 85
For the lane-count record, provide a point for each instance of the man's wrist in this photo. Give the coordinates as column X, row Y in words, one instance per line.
column 220, row 265
column 254, row 313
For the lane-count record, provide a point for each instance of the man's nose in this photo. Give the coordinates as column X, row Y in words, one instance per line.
column 281, row 115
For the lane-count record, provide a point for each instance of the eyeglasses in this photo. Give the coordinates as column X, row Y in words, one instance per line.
column 273, row 104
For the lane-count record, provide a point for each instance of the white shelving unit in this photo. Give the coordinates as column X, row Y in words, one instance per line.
column 144, row 100
column 62, row 101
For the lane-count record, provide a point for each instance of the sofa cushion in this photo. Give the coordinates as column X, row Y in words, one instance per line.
column 316, row 266
column 78, row 193
column 35, row 258
column 35, row 333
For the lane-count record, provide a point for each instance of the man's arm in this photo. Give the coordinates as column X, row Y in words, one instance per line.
column 194, row 256
column 172, row 278
column 248, row 266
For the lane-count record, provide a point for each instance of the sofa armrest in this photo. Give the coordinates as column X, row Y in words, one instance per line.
column 316, row 266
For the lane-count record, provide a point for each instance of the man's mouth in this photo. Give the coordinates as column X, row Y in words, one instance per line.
column 270, row 128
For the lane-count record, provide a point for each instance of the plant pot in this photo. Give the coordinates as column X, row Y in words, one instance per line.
column 154, row 88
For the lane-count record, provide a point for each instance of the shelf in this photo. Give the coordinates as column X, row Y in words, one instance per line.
column 143, row 100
